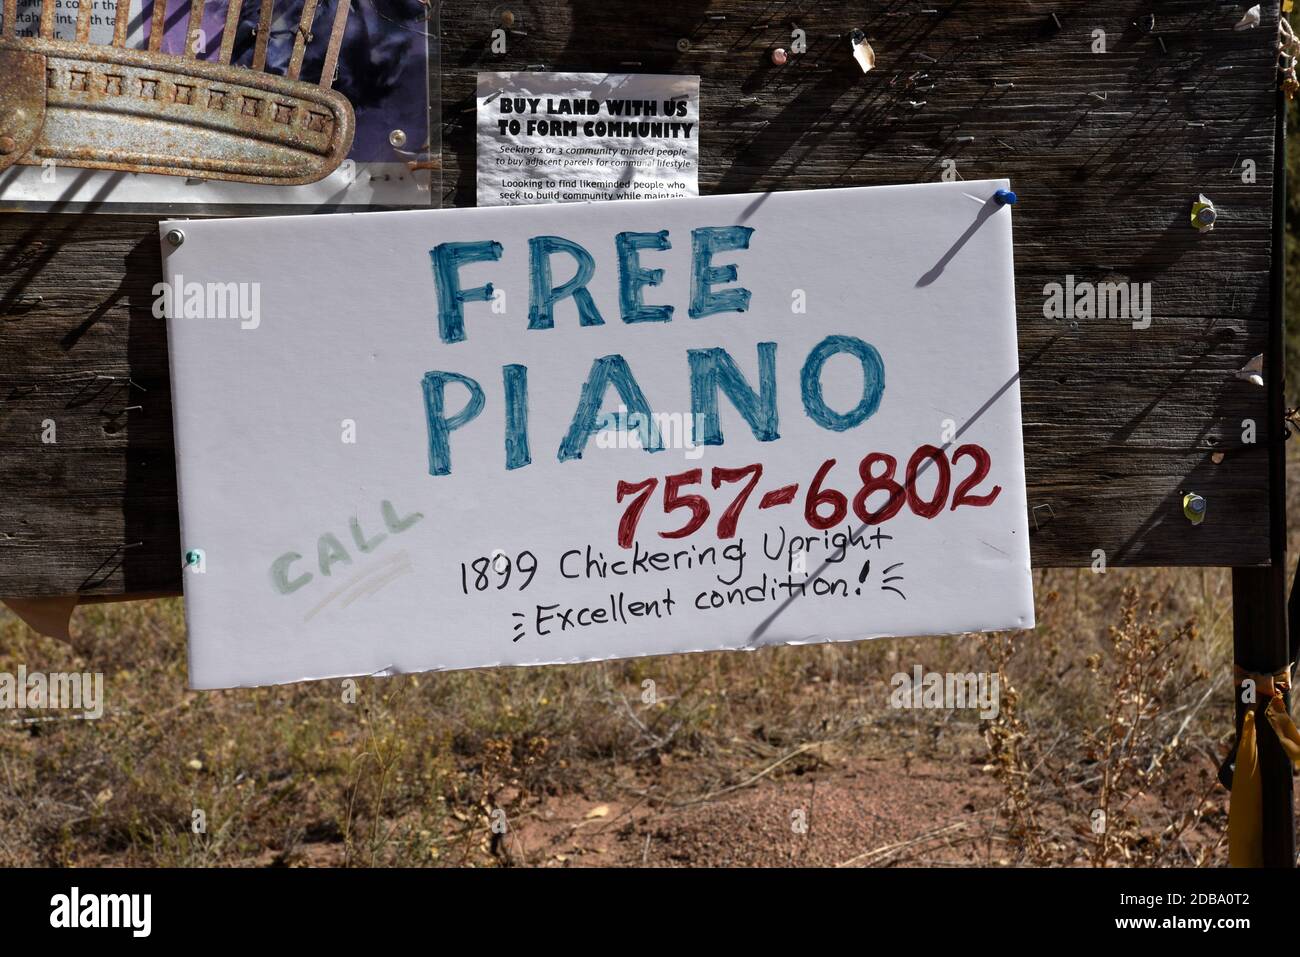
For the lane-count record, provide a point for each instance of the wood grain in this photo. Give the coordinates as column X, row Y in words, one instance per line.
column 1106, row 150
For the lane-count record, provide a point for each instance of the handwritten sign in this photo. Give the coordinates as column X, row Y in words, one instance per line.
column 466, row 438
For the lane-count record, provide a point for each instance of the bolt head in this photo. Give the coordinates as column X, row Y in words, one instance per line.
column 175, row 237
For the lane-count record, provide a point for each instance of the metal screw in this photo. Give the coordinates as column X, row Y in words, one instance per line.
column 683, row 45
column 1194, row 508
column 507, row 18
column 7, row 144
column 192, row 557
column 175, row 237
column 397, row 138
column 779, row 57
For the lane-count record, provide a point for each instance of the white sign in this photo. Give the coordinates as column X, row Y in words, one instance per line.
column 468, row 438
column 576, row 137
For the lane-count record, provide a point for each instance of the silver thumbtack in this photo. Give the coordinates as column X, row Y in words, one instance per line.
column 175, row 237
column 1204, row 214
column 1250, row 20
column 1252, row 371
column 397, row 139
column 862, row 52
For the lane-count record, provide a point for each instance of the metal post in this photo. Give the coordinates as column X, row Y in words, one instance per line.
column 1259, row 596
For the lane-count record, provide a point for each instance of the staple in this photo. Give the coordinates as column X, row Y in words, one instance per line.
column 535, row 66
column 916, row 104
column 1161, row 41
column 1034, row 512
column 1004, row 143
column 973, row 36
column 1190, row 123
column 718, row 16
column 630, row 63
column 1056, row 20
column 926, row 57
column 1100, row 96
column 965, row 139
column 1003, row 86
column 1222, row 69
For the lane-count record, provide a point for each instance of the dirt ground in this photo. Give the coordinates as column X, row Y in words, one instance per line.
column 851, row 812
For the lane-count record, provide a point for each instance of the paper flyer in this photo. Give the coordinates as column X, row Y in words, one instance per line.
column 583, row 137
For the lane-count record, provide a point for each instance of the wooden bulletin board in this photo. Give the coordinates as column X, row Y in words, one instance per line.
column 1107, row 151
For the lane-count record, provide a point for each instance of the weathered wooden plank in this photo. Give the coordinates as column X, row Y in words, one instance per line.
column 1107, row 151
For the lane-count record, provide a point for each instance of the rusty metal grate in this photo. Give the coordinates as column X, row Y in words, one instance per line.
column 105, row 106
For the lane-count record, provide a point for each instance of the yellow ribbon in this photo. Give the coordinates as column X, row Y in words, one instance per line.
column 1245, row 807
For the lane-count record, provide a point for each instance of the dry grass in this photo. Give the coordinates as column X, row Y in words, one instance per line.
column 1105, row 705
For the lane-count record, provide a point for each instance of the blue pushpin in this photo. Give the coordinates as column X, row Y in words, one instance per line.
column 1005, row 197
